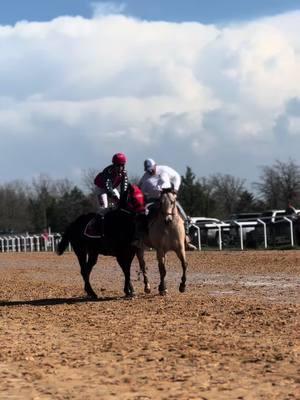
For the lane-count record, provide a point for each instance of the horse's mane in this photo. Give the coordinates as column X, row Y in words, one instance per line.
column 168, row 190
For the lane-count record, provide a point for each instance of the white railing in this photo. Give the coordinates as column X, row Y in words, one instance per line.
column 42, row 242
column 265, row 231
column 242, row 225
column 291, row 230
column 243, row 229
column 28, row 243
column 198, row 235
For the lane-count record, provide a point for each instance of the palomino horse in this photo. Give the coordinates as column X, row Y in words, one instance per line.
column 166, row 232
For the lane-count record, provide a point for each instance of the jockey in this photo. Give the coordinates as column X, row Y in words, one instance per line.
column 133, row 200
column 290, row 210
column 107, row 181
column 159, row 177
column 156, row 178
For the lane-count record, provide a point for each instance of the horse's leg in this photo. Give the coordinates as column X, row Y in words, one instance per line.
column 141, row 259
column 87, row 261
column 91, row 261
column 125, row 259
column 162, row 272
column 182, row 257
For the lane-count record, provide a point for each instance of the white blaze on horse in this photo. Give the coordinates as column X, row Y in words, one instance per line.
column 166, row 232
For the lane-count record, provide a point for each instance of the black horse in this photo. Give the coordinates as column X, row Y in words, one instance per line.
column 116, row 232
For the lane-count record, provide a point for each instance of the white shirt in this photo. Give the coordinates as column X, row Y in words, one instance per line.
column 164, row 178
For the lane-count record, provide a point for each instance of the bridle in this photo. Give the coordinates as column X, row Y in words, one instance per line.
column 170, row 214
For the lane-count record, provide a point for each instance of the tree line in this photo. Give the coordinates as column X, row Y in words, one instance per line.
column 55, row 203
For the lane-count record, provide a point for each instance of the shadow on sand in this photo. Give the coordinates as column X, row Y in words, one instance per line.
column 57, row 301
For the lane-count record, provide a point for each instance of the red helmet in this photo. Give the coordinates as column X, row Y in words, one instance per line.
column 119, row 159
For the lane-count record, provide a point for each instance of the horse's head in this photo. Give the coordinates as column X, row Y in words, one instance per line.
column 168, row 204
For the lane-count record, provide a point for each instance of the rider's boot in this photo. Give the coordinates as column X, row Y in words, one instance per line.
column 188, row 244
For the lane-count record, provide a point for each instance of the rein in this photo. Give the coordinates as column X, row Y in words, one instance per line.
column 173, row 212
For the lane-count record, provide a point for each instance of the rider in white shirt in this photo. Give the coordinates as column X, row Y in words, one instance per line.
column 159, row 177
column 156, row 178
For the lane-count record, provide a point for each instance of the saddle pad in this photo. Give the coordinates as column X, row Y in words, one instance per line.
column 92, row 229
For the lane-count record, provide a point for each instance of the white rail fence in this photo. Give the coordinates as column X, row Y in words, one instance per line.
column 221, row 233
column 28, row 243
column 238, row 231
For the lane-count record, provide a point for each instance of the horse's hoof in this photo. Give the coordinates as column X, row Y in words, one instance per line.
column 130, row 296
column 92, row 296
column 147, row 289
column 163, row 292
column 182, row 288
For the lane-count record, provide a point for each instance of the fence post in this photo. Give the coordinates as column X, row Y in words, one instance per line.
column 265, row 232
column 241, row 234
column 220, row 238
column 292, row 230
column 199, row 235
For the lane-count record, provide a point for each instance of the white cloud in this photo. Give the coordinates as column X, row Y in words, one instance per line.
column 185, row 94
column 294, row 126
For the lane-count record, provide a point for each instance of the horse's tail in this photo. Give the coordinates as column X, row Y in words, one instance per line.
column 64, row 242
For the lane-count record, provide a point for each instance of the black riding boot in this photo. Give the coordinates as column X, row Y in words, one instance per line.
column 188, row 244
column 99, row 224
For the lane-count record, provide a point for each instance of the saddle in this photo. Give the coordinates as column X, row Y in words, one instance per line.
column 103, row 224
column 95, row 227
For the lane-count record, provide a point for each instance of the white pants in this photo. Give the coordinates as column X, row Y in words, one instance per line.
column 102, row 196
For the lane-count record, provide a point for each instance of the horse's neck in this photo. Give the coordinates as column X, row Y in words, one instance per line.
column 176, row 216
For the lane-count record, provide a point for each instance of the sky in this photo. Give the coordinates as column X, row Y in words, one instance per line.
column 214, row 85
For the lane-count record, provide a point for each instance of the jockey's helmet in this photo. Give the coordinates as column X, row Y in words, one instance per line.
column 119, row 159
column 149, row 165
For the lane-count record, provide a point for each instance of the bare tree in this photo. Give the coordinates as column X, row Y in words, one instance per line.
column 279, row 184
column 14, row 202
column 88, row 179
column 63, row 186
column 227, row 191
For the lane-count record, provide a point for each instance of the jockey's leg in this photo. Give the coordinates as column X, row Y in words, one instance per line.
column 101, row 197
column 185, row 218
column 182, row 213
column 102, row 206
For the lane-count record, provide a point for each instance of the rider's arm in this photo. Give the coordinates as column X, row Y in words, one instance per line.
column 124, row 183
column 109, row 188
column 169, row 177
column 98, row 180
column 176, row 180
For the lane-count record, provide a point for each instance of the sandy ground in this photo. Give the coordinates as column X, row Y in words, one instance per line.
column 233, row 335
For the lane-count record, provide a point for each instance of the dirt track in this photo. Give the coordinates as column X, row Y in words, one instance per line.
column 233, row 335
